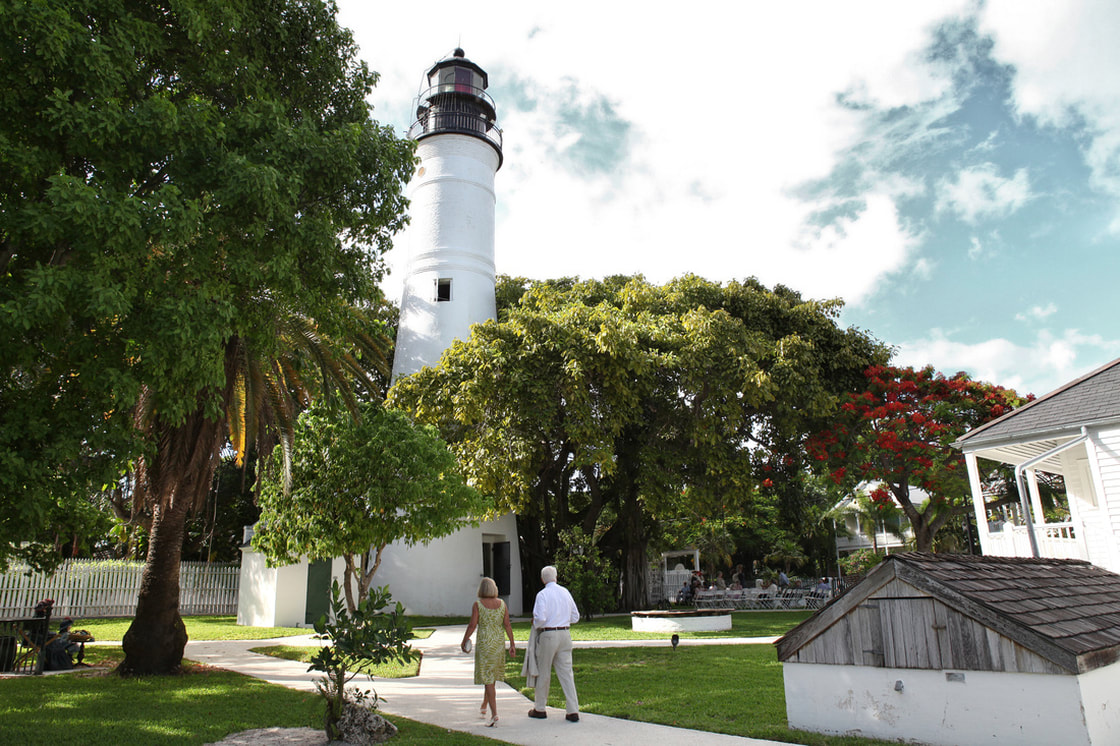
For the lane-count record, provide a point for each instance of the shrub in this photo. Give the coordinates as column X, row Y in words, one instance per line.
column 368, row 635
column 858, row 563
column 585, row 573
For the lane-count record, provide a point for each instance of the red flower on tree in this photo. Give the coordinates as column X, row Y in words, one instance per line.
column 899, row 432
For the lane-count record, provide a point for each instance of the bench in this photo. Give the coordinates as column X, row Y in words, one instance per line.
column 23, row 642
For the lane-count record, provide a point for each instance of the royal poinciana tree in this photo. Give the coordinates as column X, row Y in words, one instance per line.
column 193, row 199
column 896, row 435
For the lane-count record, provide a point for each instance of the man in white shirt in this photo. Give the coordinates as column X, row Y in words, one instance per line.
column 553, row 613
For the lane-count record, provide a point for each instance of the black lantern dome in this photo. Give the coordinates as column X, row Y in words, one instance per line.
column 456, row 102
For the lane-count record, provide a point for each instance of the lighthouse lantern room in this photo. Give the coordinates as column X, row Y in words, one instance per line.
column 456, row 101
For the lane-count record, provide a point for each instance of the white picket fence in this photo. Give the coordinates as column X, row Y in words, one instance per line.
column 109, row 588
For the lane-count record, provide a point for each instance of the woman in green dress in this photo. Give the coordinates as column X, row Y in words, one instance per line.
column 489, row 614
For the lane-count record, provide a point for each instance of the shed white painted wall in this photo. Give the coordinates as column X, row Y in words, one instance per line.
column 452, row 237
column 1098, row 698
column 986, row 707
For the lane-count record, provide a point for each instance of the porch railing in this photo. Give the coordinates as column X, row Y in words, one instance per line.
column 1055, row 540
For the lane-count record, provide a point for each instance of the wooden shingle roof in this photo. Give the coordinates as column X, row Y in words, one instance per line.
column 1067, row 611
column 1093, row 398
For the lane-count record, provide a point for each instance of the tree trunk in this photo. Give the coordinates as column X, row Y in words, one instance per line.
column 635, row 583
column 155, row 641
column 923, row 536
column 173, row 481
column 531, row 546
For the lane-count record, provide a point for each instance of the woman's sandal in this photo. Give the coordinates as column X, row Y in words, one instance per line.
column 493, row 720
column 482, row 712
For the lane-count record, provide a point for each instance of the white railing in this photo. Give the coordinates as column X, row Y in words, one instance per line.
column 884, row 540
column 1055, row 540
column 109, row 588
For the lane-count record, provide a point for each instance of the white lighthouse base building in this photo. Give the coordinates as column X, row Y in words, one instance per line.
column 438, row 579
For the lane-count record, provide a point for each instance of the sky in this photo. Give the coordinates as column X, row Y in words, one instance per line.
column 951, row 170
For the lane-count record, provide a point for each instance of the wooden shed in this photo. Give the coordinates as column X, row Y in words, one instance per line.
column 956, row 649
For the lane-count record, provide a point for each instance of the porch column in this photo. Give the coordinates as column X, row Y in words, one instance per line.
column 1036, row 497
column 978, row 502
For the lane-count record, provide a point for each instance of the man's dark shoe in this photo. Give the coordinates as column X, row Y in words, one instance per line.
column 539, row 714
column 572, row 717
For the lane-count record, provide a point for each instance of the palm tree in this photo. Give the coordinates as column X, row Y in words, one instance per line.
column 787, row 553
column 871, row 519
column 262, row 395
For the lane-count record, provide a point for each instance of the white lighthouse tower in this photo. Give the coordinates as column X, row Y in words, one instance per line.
column 449, row 285
column 449, row 281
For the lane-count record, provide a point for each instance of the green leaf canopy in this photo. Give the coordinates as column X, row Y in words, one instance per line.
column 597, row 403
column 173, row 176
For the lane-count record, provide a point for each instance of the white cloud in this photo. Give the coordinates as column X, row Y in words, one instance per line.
column 1038, row 367
column 1065, row 57
column 923, row 268
column 733, row 111
column 853, row 252
column 731, row 117
column 1037, row 312
column 975, row 248
column 980, row 192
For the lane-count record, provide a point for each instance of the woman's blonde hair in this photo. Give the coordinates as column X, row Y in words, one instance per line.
column 487, row 588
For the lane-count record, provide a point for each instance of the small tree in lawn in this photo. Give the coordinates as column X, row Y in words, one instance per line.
column 358, row 485
column 584, row 571
column 367, row 635
column 899, row 431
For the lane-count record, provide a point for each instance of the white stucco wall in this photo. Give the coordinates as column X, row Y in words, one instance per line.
column 441, row 578
column 983, row 707
column 276, row 596
column 256, row 591
column 452, row 237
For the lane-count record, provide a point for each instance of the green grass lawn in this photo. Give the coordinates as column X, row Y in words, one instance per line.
column 218, row 628
column 733, row 689
column 198, row 628
column 736, row 689
column 390, row 670
column 743, row 624
column 201, row 706
column 616, row 627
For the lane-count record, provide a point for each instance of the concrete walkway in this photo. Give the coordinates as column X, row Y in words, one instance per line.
column 444, row 694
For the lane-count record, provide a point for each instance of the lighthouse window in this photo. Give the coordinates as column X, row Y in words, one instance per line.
column 463, row 80
column 443, row 290
column 460, row 79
